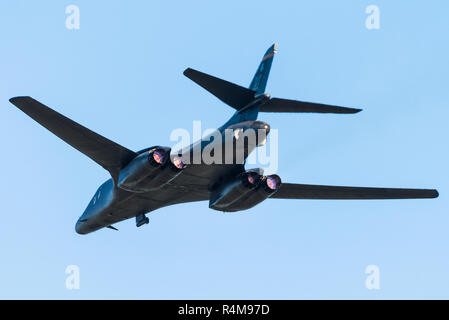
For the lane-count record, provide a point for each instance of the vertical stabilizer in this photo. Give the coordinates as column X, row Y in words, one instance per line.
column 261, row 77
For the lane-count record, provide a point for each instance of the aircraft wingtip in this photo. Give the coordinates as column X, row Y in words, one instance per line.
column 18, row 98
column 436, row 194
column 350, row 110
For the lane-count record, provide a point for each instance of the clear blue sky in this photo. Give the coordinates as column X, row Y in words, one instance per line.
column 121, row 75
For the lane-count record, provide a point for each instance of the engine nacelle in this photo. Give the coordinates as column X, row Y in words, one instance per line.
column 243, row 192
column 150, row 170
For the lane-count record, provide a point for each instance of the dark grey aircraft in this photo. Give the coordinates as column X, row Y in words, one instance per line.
column 154, row 177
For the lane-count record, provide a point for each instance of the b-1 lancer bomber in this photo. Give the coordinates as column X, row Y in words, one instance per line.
column 155, row 177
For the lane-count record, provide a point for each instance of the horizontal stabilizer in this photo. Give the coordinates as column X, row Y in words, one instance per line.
column 285, row 105
column 106, row 153
column 228, row 92
column 307, row 191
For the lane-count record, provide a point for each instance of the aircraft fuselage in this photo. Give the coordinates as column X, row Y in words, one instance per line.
column 111, row 204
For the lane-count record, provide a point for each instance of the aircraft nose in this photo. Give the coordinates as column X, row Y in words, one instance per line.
column 81, row 227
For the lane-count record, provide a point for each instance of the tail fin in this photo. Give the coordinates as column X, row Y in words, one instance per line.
column 233, row 94
column 240, row 98
column 260, row 79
